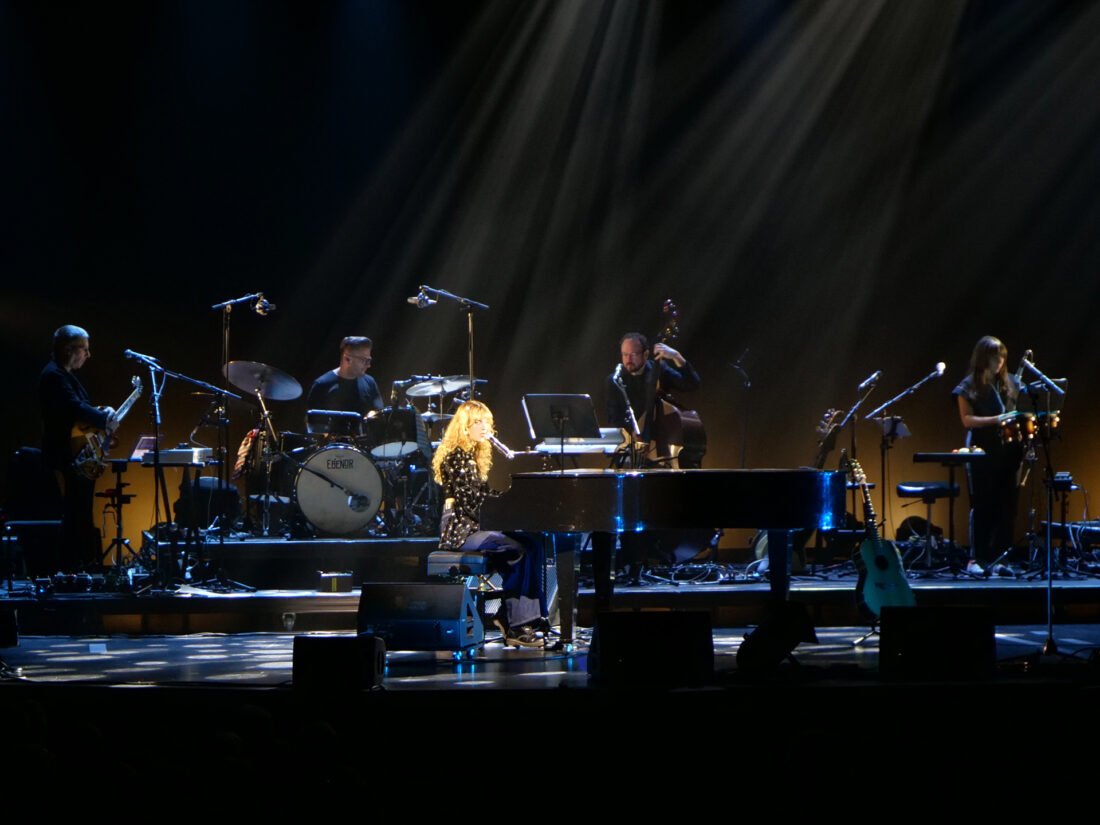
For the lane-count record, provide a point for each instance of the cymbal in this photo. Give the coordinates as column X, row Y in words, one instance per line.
column 437, row 385
column 272, row 383
column 432, row 418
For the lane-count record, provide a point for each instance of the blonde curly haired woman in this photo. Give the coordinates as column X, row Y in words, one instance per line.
column 461, row 466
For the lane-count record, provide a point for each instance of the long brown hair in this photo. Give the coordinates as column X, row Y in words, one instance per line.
column 457, row 437
column 982, row 376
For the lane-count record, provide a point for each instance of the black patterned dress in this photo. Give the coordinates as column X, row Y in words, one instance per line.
column 518, row 558
column 462, row 483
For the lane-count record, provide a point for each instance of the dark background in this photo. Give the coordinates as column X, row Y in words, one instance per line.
column 837, row 187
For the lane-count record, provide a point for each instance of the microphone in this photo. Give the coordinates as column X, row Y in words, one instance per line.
column 137, row 356
column 358, row 502
column 1027, row 356
column 500, row 446
column 421, row 300
column 940, row 367
column 262, row 306
column 870, row 382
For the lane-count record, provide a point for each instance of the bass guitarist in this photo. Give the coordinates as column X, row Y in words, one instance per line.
column 65, row 404
column 636, row 378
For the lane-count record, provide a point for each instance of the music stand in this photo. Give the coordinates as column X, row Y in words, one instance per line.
column 558, row 416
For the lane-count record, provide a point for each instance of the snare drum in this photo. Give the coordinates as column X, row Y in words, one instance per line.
column 395, row 432
column 339, row 489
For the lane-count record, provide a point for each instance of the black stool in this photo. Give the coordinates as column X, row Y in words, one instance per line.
column 928, row 492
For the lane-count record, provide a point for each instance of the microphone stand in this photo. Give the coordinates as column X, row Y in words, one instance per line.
column 226, row 308
column 469, row 305
column 158, row 371
column 1050, row 647
column 740, row 370
column 851, row 417
column 635, row 457
column 890, row 434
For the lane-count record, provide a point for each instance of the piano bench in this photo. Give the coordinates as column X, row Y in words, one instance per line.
column 927, row 491
column 455, row 564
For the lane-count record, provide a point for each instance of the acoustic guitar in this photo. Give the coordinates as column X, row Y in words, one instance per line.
column 882, row 581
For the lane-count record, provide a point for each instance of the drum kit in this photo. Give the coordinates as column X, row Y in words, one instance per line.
column 349, row 474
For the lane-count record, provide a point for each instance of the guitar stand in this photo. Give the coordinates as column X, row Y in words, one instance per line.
column 116, row 498
column 873, row 631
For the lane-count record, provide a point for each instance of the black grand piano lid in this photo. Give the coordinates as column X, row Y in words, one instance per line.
column 616, row 500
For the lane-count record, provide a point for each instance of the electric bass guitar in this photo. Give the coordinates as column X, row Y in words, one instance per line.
column 91, row 445
column 882, row 581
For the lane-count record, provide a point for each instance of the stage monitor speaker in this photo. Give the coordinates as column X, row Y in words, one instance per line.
column 937, row 643
column 421, row 616
column 666, row 648
column 338, row 662
column 9, row 628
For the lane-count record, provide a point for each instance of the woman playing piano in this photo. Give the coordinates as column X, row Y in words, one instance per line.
column 461, row 465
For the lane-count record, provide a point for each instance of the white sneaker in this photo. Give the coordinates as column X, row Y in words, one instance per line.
column 974, row 569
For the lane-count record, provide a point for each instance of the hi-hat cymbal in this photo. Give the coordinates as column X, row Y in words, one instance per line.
column 437, row 385
column 272, row 383
column 432, row 418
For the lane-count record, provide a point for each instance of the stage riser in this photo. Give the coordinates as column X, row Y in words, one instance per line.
column 294, row 565
column 728, row 607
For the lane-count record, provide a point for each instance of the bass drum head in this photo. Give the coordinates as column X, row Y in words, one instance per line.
column 330, row 508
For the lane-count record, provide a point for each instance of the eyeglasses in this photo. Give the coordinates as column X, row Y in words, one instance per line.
column 366, row 359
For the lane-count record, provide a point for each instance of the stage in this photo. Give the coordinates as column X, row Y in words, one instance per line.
column 205, row 681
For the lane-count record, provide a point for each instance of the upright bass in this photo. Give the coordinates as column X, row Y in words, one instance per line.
column 679, row 438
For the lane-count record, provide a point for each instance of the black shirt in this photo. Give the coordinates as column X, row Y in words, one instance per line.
column 642, row 391
column 989, row 401
column 357, row 395
column 64, row 402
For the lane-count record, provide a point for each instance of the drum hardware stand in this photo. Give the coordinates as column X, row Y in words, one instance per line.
column 403, row 521
column 267, row 433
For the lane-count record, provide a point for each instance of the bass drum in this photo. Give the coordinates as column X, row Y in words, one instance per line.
column 339, row 489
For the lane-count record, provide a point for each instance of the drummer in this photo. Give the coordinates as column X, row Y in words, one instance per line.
column 348, row 388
